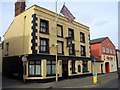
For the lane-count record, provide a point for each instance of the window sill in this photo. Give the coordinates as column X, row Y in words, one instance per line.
column 60, row 36
column 82, row 42
column 34, row 76
column 44, row 52
column 44, row 33
column 50, row 75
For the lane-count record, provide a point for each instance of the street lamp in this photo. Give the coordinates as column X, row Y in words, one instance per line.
column 56, row 43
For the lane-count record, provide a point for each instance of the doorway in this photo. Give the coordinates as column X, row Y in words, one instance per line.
column 107, row 67
column 65, row 69
column 101, row 68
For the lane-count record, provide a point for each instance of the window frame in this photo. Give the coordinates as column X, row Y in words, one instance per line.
column 103, row 49
column 82, row 39
column 51, row 67
column 72, row 49
column 47, row 45
column 72, row 33
column 34, row 64
column 58, row 25
column 46, row 27
column 84, row 52
column 107, row 50
column 62, row 47
column 84, row 66
column 111, row 51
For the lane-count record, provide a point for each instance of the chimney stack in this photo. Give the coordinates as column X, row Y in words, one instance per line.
column 19, row 7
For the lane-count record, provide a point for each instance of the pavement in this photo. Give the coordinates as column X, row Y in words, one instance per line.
column 104, row 80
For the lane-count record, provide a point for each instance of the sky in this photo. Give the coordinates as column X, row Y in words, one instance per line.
column 100, row 15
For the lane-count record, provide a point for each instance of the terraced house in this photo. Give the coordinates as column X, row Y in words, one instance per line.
column 29, row 45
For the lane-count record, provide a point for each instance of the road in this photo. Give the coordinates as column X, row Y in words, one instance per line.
column 109, row 80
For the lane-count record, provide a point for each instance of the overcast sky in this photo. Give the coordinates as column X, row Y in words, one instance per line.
column 100, row 15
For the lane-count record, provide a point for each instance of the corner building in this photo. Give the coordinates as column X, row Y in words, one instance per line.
column 104, row 51
column 29, row 46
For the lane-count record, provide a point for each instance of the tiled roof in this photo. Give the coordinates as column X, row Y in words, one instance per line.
column 98, row 40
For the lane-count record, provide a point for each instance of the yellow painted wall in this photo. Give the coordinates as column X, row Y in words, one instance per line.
column 50, row 16
column 19, row 32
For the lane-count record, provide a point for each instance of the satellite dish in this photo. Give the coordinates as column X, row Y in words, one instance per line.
column 24, row 58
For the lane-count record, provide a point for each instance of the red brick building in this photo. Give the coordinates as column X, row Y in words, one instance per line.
column 104, row 50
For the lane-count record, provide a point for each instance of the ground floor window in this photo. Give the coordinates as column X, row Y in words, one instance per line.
column 51, row 68
column 34, row 68
column 85, row 66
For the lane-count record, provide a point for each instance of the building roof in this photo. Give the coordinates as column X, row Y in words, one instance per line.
column 98, row 40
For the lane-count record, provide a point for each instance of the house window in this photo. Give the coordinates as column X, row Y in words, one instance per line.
column 85, row 66
column 71, row 33
column 72, row 50
column 44, row 26
column 82, row 37
column 51, row 67
column 7, row 48
column 34, row 68
column 110, row 51
column 79, row 68
column 103, row 49
column 44, row 45
column 83, row 51
column 107, row 50
column 60, row 47
column 73, row 66
column 60, row 30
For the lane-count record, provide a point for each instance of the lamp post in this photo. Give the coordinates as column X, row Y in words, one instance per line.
column 56, row 43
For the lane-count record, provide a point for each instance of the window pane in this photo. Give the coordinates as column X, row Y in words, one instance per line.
column 53, row 62
column 31, row 62
column 110, row 51
column 53, row 69
column 48, row 62
column 43, row 29
column 43, row 48
column 43, row 42
column 37, row 62
column 107, row 50
column 37, row 70
column 103, row 49
column 43, row 24
column 31, row 69
column 48, row 69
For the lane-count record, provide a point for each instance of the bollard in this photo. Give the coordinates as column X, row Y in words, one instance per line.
column 95, row 78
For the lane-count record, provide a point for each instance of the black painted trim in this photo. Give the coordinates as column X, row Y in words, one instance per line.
column 33, row 34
